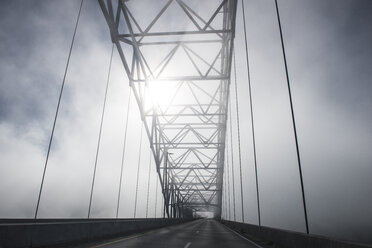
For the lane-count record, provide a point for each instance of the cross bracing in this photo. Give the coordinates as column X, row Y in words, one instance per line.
column 177, row 56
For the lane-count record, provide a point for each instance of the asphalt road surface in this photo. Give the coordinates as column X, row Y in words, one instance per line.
column 200, row 233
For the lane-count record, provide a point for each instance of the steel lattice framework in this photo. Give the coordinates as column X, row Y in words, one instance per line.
column 177, row 55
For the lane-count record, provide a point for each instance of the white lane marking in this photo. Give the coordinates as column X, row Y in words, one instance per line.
column 139, row 235
column 243, row 237
column 187, row 245
column 120, row 240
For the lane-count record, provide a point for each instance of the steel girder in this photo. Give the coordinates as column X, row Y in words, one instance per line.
column 177, row 55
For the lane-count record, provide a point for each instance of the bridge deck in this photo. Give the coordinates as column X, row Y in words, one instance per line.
column 199, row 233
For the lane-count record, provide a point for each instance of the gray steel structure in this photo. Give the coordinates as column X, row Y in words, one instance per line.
column 177, row 55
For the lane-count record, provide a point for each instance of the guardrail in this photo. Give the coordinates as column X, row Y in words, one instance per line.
column 290, row 239
column 52, row 232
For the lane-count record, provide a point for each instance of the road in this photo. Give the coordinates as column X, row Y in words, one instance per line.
column 200, row 233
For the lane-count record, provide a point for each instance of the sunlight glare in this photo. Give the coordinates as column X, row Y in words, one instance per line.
column 161, row 92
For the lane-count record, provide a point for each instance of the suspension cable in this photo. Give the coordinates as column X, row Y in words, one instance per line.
column 138, row 171
column 232, row 160
column 228, row 177
column 123, row 154
column 227, row 200
column 238, row 127
column 57, row 110
column 163, row 206
column 148, row 186
column 293, row 117
column 100, row 132
column 156, row 197
column 225, row 193
column 222, row 202
column 252, row 120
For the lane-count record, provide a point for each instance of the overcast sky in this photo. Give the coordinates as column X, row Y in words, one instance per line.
column 329, row 54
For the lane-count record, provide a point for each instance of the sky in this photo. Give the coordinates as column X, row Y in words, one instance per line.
column 329, row 53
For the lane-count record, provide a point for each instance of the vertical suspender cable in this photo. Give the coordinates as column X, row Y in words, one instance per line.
column 225, row 194
column 222, row 196
column 252, row 120
column 148, row 186
column 138, row 171
column 156, row 197
column 57, row 110
column 123, row 155
column 223, row 204
column 232, row 161
column 163, row 207
column 238, row 126
column 228, row 178
column 293, row 118
column 225, row 200
column 100, row 132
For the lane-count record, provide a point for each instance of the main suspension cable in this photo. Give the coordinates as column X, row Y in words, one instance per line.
column 100, row 131
column 252, row 120
column 148, row 185
column 293, row 117
column 232, row 161
column 123, row 153
column 238, row 127
column 138, row 171
column 57, row 110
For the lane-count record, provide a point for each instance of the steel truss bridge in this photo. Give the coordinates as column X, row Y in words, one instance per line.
column 187, row 62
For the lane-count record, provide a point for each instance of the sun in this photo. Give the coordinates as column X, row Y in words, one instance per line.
column 161, row 93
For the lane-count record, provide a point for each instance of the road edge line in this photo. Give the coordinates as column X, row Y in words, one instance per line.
column 243, row 236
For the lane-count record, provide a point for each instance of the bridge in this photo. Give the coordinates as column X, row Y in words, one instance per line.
column 187, row 182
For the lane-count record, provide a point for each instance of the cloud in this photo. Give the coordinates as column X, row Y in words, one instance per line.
column 31, row 84
column 329, row 54
column 332, row 105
